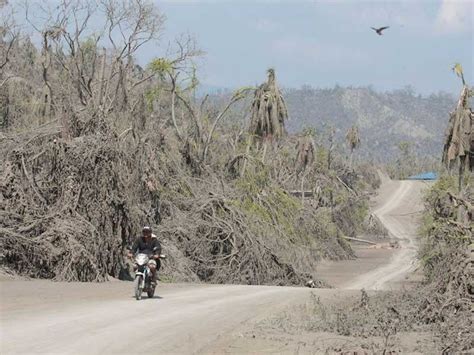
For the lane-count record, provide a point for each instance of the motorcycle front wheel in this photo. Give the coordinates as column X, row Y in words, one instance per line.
column 150, row 292
column 138, row 287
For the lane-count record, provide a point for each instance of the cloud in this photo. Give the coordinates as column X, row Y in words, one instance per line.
column 455, row 16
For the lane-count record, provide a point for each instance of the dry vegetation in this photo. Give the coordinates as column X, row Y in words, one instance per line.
column 446, row 254
column 447, row 246
column 93, row 146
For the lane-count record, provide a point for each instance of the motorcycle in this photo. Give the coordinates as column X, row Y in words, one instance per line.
column 143, row 275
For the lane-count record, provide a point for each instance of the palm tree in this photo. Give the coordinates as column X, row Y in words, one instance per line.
column 459, row 142
column 353, row 141
column 268, row 112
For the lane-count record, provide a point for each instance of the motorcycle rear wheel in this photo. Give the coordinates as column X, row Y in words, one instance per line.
column 138, row 288
column 150, row 292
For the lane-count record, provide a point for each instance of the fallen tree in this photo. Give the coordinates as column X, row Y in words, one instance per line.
column 70, row 207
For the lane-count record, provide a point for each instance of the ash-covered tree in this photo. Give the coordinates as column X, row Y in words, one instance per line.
column 89, row 72
column 8, row 39
column 353, row 141
column 268, row 112
column 305, row 151
column 459, row 141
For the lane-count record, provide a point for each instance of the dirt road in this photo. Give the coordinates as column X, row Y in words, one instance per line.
column 398, row 211
column 83, row 319
column 46, row 317
column 398, row 206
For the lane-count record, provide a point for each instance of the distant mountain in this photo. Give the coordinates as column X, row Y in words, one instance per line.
column 384, row 119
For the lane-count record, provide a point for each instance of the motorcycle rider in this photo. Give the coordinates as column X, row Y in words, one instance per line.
column 148, row 244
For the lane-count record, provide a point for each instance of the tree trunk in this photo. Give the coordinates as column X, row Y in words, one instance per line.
column 350, row 159
column 4, row 106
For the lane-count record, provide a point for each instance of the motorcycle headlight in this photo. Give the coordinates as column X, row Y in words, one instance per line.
column 141, row 259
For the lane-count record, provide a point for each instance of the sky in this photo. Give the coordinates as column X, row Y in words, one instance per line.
column 326, row 43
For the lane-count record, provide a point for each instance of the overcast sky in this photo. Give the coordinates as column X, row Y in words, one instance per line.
column 324, row 43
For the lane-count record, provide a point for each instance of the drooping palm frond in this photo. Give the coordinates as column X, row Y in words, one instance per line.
column 268, row 112
column 459, row 141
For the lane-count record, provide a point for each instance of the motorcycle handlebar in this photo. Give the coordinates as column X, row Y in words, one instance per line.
column 155, row 256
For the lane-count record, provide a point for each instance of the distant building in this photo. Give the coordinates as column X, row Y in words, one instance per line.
column 430, row 175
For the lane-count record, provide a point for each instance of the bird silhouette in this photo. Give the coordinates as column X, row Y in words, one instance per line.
column 379, row 30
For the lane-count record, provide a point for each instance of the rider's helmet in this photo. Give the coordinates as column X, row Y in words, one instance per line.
column 147, row 230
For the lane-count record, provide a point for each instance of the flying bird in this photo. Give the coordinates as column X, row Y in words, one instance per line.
column 379, row 30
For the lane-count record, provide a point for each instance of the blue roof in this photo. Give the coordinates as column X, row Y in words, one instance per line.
column 430, row 175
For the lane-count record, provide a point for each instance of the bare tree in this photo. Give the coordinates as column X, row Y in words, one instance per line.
column 238, row 95
column 304, row 158
column 97, row 61
column 9, row 36
column 179, row 73
column 331, row 132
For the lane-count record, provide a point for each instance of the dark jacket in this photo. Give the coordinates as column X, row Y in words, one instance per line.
column 141, row 246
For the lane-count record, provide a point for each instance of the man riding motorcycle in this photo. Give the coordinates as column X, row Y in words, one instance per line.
column 148, row 244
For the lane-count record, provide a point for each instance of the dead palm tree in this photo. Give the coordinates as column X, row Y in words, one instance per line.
column 353, row 141
column 459, row 141
column 268, row 112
